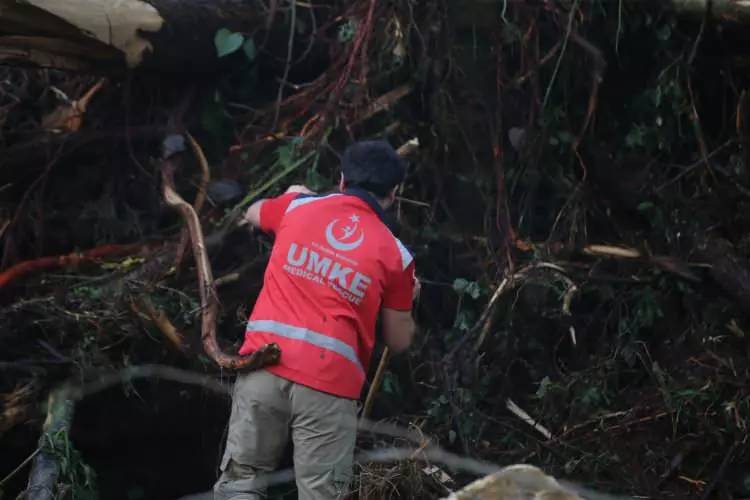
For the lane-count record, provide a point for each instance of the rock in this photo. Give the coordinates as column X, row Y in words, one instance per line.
column 515, row 482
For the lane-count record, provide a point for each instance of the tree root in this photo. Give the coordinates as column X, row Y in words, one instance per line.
column 28, row 266
column 200, row 198
column 266, row 355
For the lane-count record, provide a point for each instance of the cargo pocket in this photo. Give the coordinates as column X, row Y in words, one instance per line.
column 257, row 435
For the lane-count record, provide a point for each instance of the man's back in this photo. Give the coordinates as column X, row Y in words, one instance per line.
column 333, row 266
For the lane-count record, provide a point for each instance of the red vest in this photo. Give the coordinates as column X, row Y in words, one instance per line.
column 334, row 264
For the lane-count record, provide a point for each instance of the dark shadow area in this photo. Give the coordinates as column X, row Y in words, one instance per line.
column 152, row 440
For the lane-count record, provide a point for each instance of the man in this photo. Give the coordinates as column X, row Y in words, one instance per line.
column 334, row 266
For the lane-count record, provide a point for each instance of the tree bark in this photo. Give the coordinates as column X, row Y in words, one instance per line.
column 116, row 35
column 729, row 11
column 45, row 469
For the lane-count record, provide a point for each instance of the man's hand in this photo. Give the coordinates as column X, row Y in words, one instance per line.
column 417, row 289
column 252, row 215
column 299, row 188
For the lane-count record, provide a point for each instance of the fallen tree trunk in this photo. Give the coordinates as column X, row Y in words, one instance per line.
column 45, row 469
column 114, row 35
column 730, row 11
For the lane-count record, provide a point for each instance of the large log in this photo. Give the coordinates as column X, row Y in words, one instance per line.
column 730, row 11
column 114, row 35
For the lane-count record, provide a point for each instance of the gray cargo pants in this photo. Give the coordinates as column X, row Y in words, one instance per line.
column 265, row 408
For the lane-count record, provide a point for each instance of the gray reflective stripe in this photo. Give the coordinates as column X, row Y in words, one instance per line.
column 309, row 336
column 406, row 257
column 307, row 199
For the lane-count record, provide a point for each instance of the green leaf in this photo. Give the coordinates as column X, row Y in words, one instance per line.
column 390, row 384
column 636, row 136
column 249, row 49
column 287, row 152
column 463, row 286
column 286, row 155
column 347, row 31
column 464, row 320
column 645, row 206
column 664, row 33
column 544, row 387
column 460, row 284
column 565, row 137
column 473, row 290
column 315, row 180
column 227, row 42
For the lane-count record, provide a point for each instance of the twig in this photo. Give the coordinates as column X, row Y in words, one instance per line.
column 384, row 102
column 569, row 30
column 376, row 381
column 695, row 165
column 20, row 467
column 226, row 279
column 612, row 251
column 720, row 472
column 544, row 60
column 313, row 32
column 21, row 208
column 484, row 322
column 289, row 50
column 698, row 129
column 408, row 201
column 508, row 283
column 107, row 380
column 600, row 65
column 236, row 211
column 701, row 31
column 145, row 308
column 618, row 33
column 520, row 413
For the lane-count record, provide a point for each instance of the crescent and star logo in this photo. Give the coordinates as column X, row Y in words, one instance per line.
column 348, row 240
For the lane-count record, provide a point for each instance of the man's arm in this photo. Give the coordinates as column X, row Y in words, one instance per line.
column 398, row 326
column 398, row 329
column 253, row 214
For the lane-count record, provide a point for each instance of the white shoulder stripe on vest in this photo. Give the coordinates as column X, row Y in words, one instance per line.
column 308, row 199
column 406, row 257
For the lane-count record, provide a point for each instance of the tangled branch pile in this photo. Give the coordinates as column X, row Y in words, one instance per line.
column 579, row 209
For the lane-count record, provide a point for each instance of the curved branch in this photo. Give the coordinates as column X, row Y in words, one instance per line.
column 266, row 355
column 200, row 197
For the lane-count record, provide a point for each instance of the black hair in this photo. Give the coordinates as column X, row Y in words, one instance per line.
column 374, row 166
